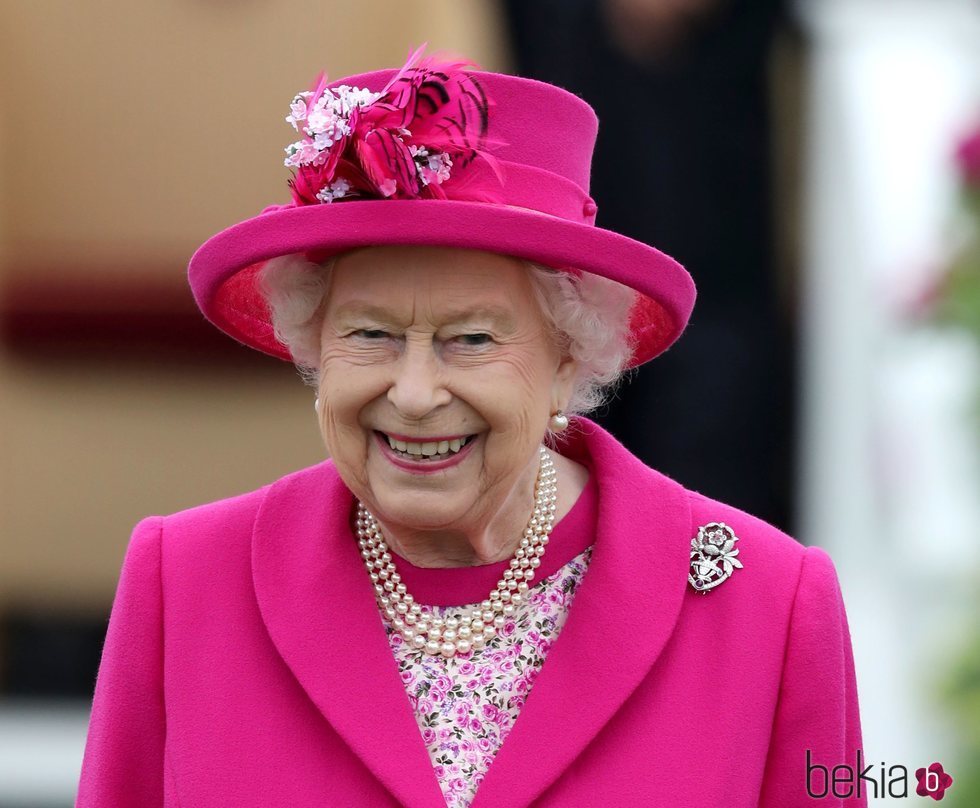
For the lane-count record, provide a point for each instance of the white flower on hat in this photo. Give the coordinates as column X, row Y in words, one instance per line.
column 331, row 112
column 337, row 189
column 298, row 109
column 301, row 153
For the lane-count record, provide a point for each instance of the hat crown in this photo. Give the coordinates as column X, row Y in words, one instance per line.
column 455, row 157
column 535, row 124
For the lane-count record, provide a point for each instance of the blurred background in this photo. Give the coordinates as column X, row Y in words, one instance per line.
column 816, row 166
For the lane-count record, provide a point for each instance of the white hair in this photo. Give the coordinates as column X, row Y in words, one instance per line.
column 588, row 316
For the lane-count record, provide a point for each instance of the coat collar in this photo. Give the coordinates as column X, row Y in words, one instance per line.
column 319, row 608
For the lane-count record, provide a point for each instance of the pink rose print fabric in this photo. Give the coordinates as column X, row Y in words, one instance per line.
column 466, row 706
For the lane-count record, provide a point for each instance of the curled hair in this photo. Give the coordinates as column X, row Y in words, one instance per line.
column 295, row 290
column 588, row 316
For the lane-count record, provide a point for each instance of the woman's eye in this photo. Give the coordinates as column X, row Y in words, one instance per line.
column 370, row 333
column 475, row 339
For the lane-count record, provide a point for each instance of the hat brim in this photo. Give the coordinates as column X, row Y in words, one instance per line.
column 223, row 271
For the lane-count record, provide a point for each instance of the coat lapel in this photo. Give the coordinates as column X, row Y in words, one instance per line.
column 318, row 605
column 623, row 613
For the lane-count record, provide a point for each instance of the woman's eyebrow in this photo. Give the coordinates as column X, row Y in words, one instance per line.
column 501, row 316
column 365, row 308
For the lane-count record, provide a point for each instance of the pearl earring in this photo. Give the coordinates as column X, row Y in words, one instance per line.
column 316, row 404
column 558, row 422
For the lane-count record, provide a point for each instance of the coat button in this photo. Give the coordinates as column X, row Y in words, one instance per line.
column 589, row 209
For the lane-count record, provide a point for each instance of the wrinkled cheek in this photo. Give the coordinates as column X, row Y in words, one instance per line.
column 329, row 429
column 339, row 404
column 513, row 433
column 346, row 443
column 503, row 453
column 345, row 394
column 339, row 425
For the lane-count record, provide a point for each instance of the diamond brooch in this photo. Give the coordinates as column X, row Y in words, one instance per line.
column 712, row 556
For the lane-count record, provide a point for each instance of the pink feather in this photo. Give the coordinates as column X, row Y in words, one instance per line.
column 384, row 157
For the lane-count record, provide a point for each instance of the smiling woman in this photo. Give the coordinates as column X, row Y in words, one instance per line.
column 415, row 347
column 481, row 597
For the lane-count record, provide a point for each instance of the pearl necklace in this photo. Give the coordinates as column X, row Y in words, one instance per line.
column 417, row 624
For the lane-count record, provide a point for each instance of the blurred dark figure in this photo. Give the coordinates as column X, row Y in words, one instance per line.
column 49, row 653
column 683, row 162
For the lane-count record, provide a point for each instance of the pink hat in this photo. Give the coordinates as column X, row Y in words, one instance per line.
column 437, row 154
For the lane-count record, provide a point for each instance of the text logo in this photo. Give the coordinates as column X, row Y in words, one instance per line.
column 844, row 780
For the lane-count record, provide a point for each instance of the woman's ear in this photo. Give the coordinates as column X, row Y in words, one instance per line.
column 564, row 383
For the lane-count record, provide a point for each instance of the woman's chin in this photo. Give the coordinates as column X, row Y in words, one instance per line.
column 420, row 511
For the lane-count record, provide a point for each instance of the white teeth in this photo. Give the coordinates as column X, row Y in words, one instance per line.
column 428, row 448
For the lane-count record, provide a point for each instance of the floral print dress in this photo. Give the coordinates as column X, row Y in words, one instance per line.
column 466, row 706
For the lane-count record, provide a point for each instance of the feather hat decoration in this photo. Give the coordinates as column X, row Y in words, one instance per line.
column 424, row 127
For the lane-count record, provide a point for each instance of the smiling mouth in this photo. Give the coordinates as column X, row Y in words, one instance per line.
column 426, row 450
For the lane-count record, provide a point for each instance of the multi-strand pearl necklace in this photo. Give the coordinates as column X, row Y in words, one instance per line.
column 417, row 624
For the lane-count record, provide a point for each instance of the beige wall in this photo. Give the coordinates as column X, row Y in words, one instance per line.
column 129, row 132
column 151, row 125
column 89, row 450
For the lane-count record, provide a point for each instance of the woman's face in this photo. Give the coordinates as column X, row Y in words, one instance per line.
column 437, row 379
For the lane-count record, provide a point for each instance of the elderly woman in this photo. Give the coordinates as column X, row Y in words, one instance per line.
column 481, row 597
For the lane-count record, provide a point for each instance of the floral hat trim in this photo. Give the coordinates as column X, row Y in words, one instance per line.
column 405, row 142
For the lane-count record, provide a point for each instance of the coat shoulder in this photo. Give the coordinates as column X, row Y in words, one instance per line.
column 747, row 527
column 770, row 557
column 204, row 530
column 779, row 579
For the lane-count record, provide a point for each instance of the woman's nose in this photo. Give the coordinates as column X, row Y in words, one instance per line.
column 418, row 386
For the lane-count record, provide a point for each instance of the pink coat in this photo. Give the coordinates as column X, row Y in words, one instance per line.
column 246, row 664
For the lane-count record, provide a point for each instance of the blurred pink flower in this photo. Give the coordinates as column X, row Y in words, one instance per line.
column 968, row 158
